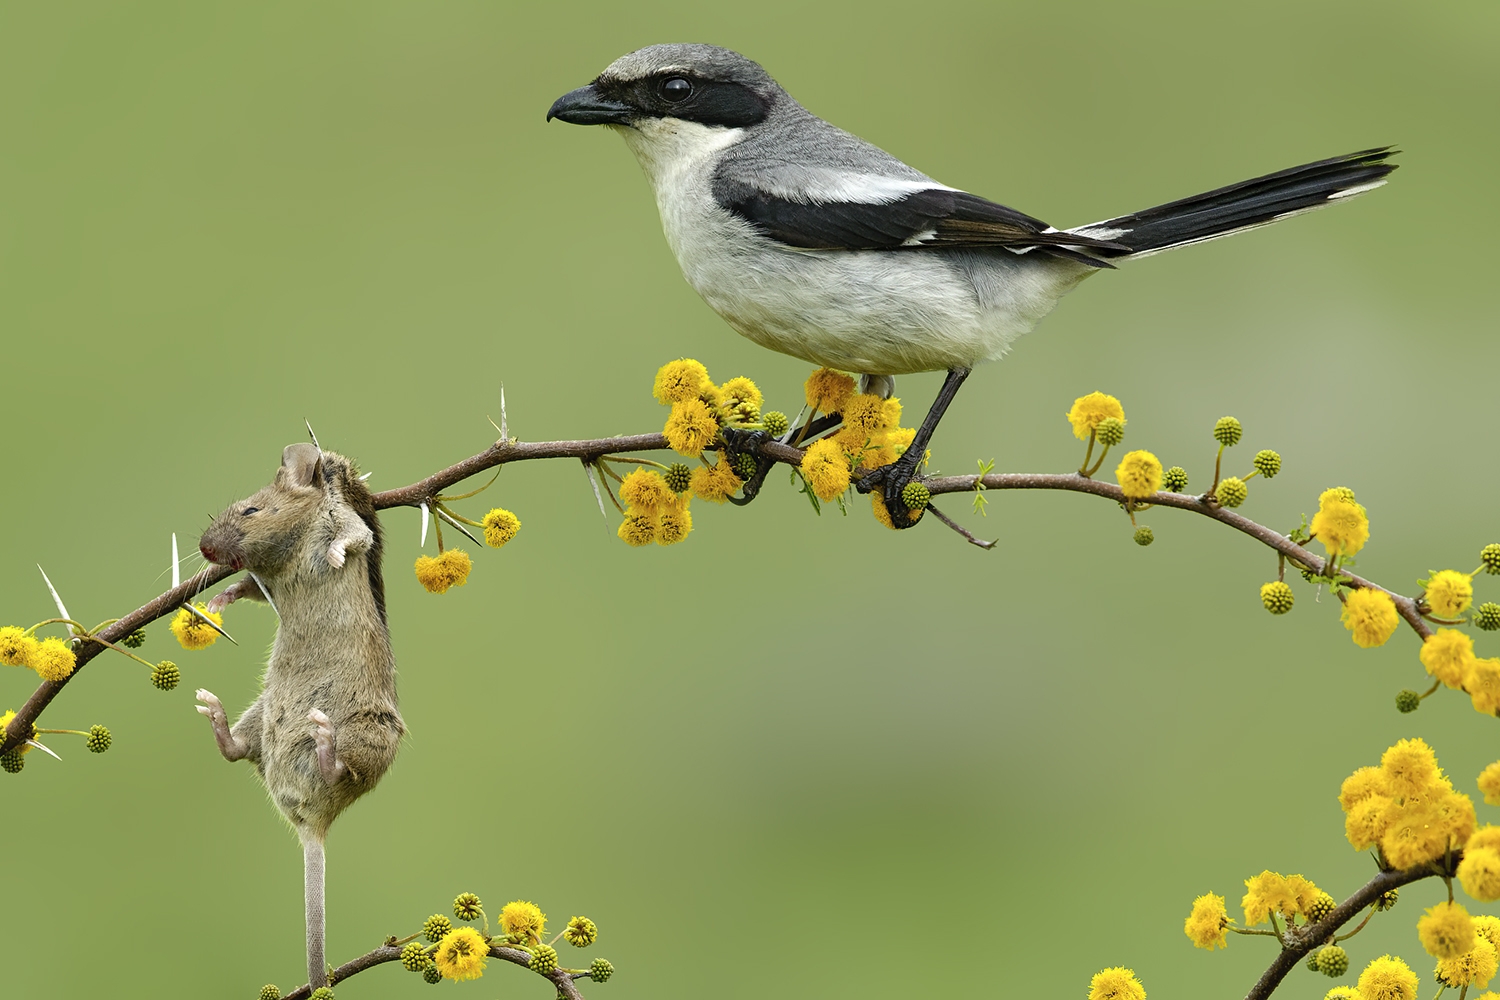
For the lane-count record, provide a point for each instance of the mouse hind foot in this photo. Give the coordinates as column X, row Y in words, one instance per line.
column 329, row 764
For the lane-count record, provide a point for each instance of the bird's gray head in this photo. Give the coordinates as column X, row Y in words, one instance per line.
column 697, row 83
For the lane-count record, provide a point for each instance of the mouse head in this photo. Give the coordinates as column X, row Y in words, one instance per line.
column 266, row 533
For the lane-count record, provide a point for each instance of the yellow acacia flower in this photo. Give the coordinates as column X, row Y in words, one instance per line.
column 1206, row 926
column 646, row 489
column 1371, row 615
column 828, row 390
column 461, row 954
column 1448, row 655
column 1139, row 475
column 1342, row 993
column 1486, row 836
column 191, row 631
column 500, row 526
column 1410, row 768
column 1483, row 685
column 826, row 469
column 1116, row 984
column 1303, row 892
column 1413, row 835
column 674, row 523
column 639, row 526
column 1361, row 785
column 890, row 419
column 1366, row 821
column 740, row 400
column 715, row 483
column 1446, row 930
column 523, row 919
column 1265, row 894
column 53, row 659
column 691, row 427
column 16, row 646
column 1340, row 524
column 5, row 721
column 1479, row 872
column 1088, row 410
column 1489, row 784
column 680, row 380
column 450, row 568
column 864, row 414
column 1387, row 978
column 1487, row 926
column 900, row 438
column 1475, row 967
column 883, row 515
column 1450, row 593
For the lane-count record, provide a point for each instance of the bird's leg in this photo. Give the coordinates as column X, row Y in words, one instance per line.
column 895, row 476
column 739, row 442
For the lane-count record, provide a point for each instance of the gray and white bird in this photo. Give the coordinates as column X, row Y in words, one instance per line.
column 812, row 242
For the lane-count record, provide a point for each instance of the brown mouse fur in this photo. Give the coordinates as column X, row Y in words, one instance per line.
column 326, row 726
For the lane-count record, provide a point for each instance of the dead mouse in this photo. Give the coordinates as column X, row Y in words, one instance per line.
column 326, row 724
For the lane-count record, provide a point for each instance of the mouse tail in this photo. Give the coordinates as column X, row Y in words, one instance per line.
column 312, row 869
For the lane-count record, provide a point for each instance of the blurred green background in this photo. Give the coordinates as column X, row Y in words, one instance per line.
column 796, row 756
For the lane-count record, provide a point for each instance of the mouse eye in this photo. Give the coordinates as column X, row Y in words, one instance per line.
column 249, row 510
column 675, row 89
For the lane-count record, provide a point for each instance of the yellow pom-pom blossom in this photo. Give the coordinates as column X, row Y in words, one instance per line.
column 639, row 526
column 828, row 390
column 826, row 469
column 878, row 508
column 1116, row 984
column 1446, row 930
column 691, row 427
column 1410, row 768
column 680, row 380
column 1303, row 893
column 1366, row 821
column 1483, row 684
column 674, row 522
column 1371, row 615
column 1475, row 967
column 1489, row 784
column 1139, row 475
column 53, row 660
column 646, row 489
column 1206, row 926
column 16, row 646
column 1487, row 926
column 1361, row 785
column 740, row 400
column 1449, row 593
column 1088, row 410
column 1340, row 524
column 1479, row 872
column 1387, row 978
column 523, row 919
column 461, row 954
column 450, row 568
column 864, row 414
column 715, row 483
column 193, row 632
column 1448, row 655
column 500, row 526
column 1265, row 894
column 1342, row 993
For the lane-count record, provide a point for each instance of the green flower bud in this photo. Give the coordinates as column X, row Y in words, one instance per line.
column 322, row 993
column 1110, row 431
column 98, row 740
column 744, row 465
column 1490, row 556
column 466, row 906
column 543, row 959
column 1333, row 961
column 270, row 992
column 1175, row 479
column 1408, row 701
column 601, row 970
column 679, row 477
column 1320, row 907
column 1267, row 463
column 581, row 932
column 436, row 927
column 1143, row 536
column 13, row 761
column 1387, row 899
column 1277, row 597
column 165, row 675
column 414, row 957
column 916, row 496
column 776, row 423
column 432, row 975
column 1487, row 616
column 136, row 640
column 1227, row 431
column 1231, row 491
column 1312, row 961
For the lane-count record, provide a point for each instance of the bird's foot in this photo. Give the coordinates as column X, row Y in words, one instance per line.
column 329, row 765
column 742, row 451
column 891, row 480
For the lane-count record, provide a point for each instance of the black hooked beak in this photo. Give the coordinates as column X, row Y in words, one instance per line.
column 586, row 106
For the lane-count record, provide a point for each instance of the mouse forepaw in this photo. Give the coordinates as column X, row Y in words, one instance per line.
column 329, row 764
column 336, row 553
column 231, row 748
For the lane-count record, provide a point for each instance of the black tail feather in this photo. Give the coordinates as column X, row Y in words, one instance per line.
column 1245, row 205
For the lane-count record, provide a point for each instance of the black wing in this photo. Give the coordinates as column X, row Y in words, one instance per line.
column 930, row 217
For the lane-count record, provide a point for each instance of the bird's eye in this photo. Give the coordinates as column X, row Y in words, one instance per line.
column 249, row 510
column 676, row 89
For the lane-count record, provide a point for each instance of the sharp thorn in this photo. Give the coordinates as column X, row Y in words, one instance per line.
column 62, row 612
column 504, row 434
column 207, row 621
column 34, row 743
column 598, row 498
column 444, row 515
column 265, row 591
column 425, row 515
column 176, row 564
column 312, row 435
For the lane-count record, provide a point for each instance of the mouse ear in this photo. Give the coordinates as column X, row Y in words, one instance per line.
column 301, row 465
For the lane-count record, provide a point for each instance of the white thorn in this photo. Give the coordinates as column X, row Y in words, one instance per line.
column 598, row 497
column 34, row 743
column 176, row 572
column 62, row 612
column 264, row 590
column 188, row 607
column 792, row 427
column 504, row 435
column 364, row 477
column 312, row 435
column 444, row 515
column 425, row 516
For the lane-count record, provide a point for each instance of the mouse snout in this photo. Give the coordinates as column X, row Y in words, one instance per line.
column 208, row 552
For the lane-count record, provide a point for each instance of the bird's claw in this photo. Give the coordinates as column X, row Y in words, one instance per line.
column 739, row 442
column 893, row 478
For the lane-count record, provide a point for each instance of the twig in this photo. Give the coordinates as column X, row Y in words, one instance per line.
column 560, row 978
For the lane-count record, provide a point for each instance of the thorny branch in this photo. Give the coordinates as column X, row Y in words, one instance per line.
column 561, row 978
column 588, row 451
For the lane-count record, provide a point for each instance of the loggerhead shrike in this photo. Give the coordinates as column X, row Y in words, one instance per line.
column 814, row 243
